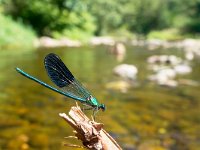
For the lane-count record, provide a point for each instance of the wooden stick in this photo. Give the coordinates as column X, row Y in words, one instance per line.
column 91, row 133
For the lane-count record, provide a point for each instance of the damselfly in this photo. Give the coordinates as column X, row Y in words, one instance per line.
column 66, row 82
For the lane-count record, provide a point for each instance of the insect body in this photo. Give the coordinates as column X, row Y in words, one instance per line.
column 66, row 82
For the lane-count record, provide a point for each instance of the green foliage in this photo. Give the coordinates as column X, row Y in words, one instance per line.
column 121, row 33
column 147, row 15
column 14, row 34
column 80, row 27
column 193, row 25
column 79, row 19
column 107, row 13
column 50, row 16
column 167, row 34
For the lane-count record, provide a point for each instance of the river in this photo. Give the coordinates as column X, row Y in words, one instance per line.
column 145, row 116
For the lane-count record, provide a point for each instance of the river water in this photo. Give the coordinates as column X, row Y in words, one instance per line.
column 146, row 116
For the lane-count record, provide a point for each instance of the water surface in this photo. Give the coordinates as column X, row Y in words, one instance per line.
column 145, row 116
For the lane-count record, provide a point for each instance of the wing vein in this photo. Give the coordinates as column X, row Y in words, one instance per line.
column 63, row 78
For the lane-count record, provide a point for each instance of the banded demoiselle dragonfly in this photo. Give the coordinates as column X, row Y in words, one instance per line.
column 66, row 82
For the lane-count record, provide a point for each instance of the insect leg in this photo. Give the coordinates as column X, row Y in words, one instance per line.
column 87, row 107
column 95, row 110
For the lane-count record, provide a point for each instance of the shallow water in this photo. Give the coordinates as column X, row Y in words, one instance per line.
column 146, row 116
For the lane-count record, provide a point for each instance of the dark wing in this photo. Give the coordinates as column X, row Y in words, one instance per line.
column 64, row 79
column 57, row 70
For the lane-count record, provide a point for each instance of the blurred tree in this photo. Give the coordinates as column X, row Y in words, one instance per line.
column 107, row 13
column 193, row 12
column 48, row 16
column 70, row 17
column 146, row 15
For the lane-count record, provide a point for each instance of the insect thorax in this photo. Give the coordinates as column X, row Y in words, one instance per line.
column 92, row 101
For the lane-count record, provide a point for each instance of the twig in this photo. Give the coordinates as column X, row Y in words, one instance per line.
column 91, row 133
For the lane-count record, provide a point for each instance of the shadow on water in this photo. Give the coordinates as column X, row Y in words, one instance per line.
column 146, row 116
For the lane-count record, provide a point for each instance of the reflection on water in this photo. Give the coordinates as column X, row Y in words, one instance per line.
column 146, row 116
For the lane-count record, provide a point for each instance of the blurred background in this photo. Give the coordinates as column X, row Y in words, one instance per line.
column 141, row 58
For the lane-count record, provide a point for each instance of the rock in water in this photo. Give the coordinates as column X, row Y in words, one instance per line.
column 126, row 71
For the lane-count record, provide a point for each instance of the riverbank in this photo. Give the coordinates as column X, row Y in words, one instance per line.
column 188, row 45
column 15, row 34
